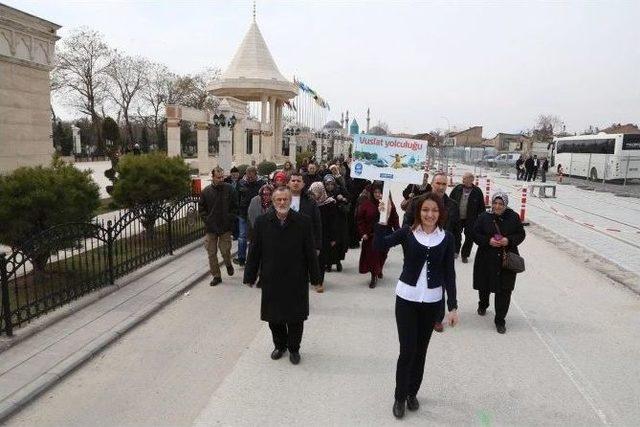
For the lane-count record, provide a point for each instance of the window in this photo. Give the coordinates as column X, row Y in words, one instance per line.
column 631, row 142
column 249, row 141
column 587, row 146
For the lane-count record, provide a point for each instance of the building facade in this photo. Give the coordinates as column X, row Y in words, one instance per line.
column 27, row 55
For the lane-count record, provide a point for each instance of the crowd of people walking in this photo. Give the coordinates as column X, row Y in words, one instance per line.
column 316, row 213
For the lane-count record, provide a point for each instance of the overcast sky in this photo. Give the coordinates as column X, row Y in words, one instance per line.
column 417, row 65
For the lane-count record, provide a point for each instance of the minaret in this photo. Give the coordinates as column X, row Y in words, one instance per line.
column 368, row 120
column 346, row 124
column 341, row 120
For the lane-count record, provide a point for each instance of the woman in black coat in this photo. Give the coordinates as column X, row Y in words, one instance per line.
column 340, row 195
column 328, row 213
column 495, row 233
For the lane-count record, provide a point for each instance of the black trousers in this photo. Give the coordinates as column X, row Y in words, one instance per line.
column 467, row 226
column 501, row 302
column 287, row 335
column 415, row 325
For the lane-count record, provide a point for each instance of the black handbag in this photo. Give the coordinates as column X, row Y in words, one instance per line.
column 511, row 260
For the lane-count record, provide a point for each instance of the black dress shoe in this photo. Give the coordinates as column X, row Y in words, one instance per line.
column 380, row 276
column 412, row 403
column 277, row 354
column 294, row 357
column 372, row 284
column 398, row 409
column 482, row 311
column 215, row 281
column 338, row 266
column 230, row 270
column 328, row 269
column 239, row 262
column 465, row 259
column 501, row 329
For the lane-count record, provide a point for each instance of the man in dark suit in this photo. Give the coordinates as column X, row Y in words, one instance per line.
column 283, row 255
column 470, row 200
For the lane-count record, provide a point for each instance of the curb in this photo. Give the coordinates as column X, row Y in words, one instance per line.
column 31, row 391
column 53, row 317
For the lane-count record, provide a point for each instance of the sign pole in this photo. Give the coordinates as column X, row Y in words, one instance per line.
column 386, row 192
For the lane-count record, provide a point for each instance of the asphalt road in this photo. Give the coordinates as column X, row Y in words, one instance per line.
column 570, row 357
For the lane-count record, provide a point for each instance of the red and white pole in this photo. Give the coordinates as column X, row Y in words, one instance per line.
column 487, row 191
column 450, row 176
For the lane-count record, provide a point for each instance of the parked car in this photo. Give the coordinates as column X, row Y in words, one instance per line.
column 504, row 159
column 381, row 163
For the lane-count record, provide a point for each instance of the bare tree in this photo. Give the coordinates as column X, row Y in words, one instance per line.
column 194, row 89
column 128, row 77
column 82, row 63
column 160, row 89
column 547, row 126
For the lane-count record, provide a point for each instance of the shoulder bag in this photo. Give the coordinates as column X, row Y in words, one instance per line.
column 510, row 260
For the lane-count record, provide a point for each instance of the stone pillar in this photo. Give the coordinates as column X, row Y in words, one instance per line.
column 293, row 144
column 263, row 110
column 224, row 143
column 278, row 131
column 270, row 151
column 173, row 137
column 77, row 143
column 319, row 143
column 203, row 146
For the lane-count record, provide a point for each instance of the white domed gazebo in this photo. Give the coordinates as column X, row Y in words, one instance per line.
column 253, row 76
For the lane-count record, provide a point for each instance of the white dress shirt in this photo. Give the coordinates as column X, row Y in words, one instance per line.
column 295, row 203
column 420, row 292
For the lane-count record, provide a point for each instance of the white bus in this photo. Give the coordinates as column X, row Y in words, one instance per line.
column 599, row 157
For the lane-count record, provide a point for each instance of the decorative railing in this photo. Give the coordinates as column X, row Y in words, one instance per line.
column 70, row 260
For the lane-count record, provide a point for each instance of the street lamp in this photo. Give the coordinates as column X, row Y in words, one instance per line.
column 219, row 120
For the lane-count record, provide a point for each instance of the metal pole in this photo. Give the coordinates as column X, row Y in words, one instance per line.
column 110, row 267
column 6, row 307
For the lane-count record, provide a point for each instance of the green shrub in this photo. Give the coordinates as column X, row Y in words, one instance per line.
column 265, row 168
column 300, row 157
column 149, row 180
column 34, row 199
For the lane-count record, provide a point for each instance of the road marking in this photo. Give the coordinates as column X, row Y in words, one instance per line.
column 582, row 384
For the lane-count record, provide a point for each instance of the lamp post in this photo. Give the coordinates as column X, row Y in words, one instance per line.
column 225, row 125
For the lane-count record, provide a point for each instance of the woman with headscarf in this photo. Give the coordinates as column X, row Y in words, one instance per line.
column 328, row 213
column 371, row 259
column 258, row 206
column 341, row 197
column 496, row 233
column 280, row 179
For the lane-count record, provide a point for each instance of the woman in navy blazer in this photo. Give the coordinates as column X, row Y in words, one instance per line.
column 427, row 274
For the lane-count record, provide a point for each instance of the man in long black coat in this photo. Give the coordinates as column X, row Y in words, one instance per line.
column 283, row 253
column 470, row 200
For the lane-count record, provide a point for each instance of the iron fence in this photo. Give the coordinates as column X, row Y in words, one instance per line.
column 70, row 260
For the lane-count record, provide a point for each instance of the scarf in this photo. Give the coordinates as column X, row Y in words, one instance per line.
column 265, row 195
column 320, row 194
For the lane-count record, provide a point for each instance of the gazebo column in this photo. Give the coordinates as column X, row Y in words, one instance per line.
column 293, row 144
column 272, row 123
column 203, row 146
column 173, row 137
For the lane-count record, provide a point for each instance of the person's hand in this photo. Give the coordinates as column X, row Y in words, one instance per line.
column 411, row 195
column 453, row 318
column 504, row 241
column 318, row 252
column 496, row 244
column 250, row 284
column 381, row 206
column 332, row 243
column 365, row 237
column 341, row 197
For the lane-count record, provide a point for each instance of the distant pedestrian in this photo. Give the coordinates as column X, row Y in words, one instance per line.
column 280, row 178
column 371, row 259
column 520, row 171
column 247, row 189
column 536, row 166
column 528, row 166
column 355, row 188
column 412, row 191
column 312, row 176
column 217, row 207
column 428, row 273
column 283, row 259
column 233, row 179
column 559, row 173
column 470, row 201
column 496, row 233
column 544, row 168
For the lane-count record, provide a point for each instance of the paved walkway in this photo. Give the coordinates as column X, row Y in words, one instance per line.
column 569, row 358
column 39, row 361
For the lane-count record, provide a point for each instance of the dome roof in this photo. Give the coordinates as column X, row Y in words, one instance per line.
column 332, row 124
column 253, row 72
column 377, row 130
